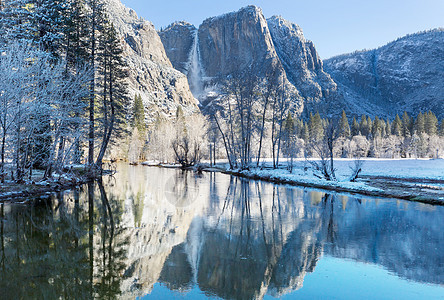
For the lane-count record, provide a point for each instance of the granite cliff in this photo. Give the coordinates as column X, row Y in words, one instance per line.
column 244, row 40
column 151, row 73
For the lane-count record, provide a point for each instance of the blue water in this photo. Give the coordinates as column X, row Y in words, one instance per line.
column 151, row 233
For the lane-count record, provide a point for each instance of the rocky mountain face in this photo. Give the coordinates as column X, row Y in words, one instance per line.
column 181, row 63
column 152, row 75
column 245, row 41
column 300, row 59
column 404, row 75
column 178, row 39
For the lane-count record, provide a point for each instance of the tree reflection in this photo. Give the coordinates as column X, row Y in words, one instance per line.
column 234, row 238
column 48, row 249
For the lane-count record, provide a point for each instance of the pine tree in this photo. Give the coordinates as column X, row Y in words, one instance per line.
column 388, row 127
column 355, row 129
column 316, row 127
column 406, row 125
column 364, row 126
column 441, row 128
column 95, row 19
column 138, row 120
column 76, row 34
column 431, row 123
column 305, row 132
column 47, row 23
column 288, row 139
column 299, row 126
column 369, row 126
column 114, row 86
column 15, row 21
column 420, row 123
column 397, row 126
column 344, row 127
column 377, row 128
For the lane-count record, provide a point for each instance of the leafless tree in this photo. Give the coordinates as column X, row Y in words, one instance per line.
column 324, row 167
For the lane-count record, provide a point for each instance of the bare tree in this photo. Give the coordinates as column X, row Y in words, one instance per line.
column 324, row 168
column 236, row 117
column 189, row 141
column 280, row 107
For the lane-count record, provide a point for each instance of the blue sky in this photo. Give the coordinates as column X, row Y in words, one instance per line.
column 335, row 26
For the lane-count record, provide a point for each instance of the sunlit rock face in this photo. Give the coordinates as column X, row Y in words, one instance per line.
column 300, row 59
column 244, row 41
column 151, row 73
column 236, row 41
column 404, row 75
column 178, row 39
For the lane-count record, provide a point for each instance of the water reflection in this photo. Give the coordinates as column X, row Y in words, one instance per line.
column 225, row 236
column 62, row 247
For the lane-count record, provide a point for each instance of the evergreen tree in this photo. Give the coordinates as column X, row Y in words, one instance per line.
column 364, row 127
column 355, row 129
column 397, row 126
column 288, row 132
column 377, row 128
column 76, row 34
column 289, row 124
column 388, row 127
column 420, row 123
column 95, row 19
column 47, row 24
column 431, row 123
column 305, row 132
column 441, row 128
column 138, row 120
column 369, row 126
column 316, row 127
column 15, row 21
column 407, row 125
column 299, row 127
column 344, row 127
column 114, row 85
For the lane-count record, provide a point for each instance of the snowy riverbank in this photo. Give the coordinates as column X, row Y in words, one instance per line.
column 415, row 180
column 74, row 177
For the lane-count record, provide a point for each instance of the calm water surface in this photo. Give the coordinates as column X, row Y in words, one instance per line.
column 163, row 233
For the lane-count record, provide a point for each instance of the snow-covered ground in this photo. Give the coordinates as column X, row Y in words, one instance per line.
column 398, row 168
column 410, row 177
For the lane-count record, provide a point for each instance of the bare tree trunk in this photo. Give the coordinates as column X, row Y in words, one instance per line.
column 225, row 142
column 2, row 175
column 262, row 131
column 92, row 89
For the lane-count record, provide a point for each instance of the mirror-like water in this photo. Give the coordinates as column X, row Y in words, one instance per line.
column 163, row 233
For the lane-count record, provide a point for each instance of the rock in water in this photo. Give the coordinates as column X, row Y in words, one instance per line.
column 151, row 73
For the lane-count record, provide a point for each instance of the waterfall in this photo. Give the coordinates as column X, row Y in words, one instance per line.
column 193, row 246
column 194, row 69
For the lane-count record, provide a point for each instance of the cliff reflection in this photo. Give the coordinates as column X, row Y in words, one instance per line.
column 228, row 237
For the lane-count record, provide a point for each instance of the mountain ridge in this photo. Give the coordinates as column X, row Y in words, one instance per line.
column 403, row 75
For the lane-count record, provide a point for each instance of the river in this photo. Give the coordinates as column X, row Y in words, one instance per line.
column 165, row 233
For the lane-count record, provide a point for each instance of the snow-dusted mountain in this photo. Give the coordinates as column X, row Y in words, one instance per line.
column 245, row 40
column 404, row 75
column 152, row 75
